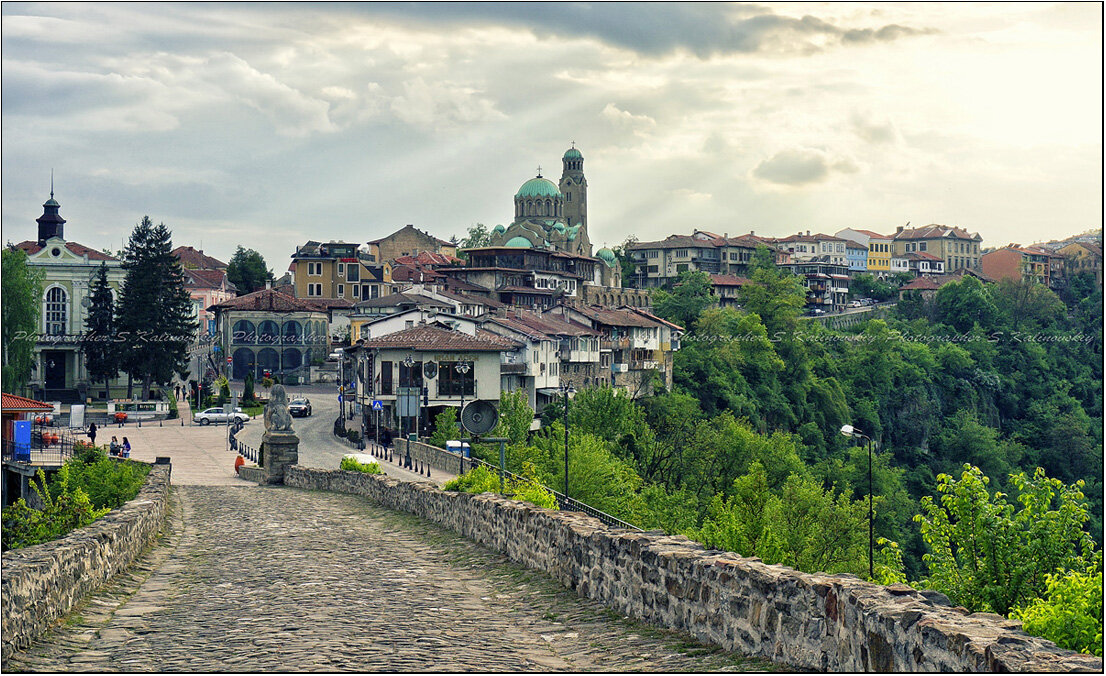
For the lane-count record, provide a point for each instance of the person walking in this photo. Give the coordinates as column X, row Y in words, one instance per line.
column 126, row 448
column 92, row 433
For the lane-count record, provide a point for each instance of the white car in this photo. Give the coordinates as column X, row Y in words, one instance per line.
column 217, row 415
column 856, row 303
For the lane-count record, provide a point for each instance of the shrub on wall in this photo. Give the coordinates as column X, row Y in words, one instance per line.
column 1070, row 615
column 108, row 483
column 482, row 479
column 351, row 465
column 68, row 509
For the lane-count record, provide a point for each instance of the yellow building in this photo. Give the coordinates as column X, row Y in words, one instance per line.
column 338, row 270
column 880, row 248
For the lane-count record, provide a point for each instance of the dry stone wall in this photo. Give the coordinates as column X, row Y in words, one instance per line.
column 438, row 458
column 823, row 622
column 42, row 583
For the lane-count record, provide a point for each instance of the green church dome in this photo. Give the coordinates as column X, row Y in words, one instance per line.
column 499, row 230
column 573, row 154
column 520, row 242
column 607, row 256
column 559, row 227
column 538, row 187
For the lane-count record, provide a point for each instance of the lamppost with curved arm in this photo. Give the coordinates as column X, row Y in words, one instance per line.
column 462, row 368
column 850, row 431
column 409, row 362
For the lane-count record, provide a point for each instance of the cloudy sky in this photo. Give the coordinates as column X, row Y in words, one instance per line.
column 267, row 125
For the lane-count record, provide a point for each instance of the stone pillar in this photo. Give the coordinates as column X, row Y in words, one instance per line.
column 281, row 450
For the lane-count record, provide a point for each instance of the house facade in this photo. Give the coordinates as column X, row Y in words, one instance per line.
column 338, row 270
column 1017, row 262
column 659, row 263
column 956, row 247
column 68, row 269
column 408, row 241
column 269, row 332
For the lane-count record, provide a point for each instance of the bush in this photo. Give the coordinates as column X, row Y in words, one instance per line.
column 173, row 413
column 351, row 465
column 247, row 388
column 482, row 479
column 353, row 435
column 69, row 509
column 445, row 428
column 1070, row 614
column 108, row 483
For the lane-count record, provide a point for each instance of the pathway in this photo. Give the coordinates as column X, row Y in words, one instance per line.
column 263, row 579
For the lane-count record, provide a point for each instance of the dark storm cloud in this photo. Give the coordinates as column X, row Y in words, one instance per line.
column 703, row 29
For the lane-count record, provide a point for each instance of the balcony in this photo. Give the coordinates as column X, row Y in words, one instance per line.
column 515, row 369
column 643, row 365
column 614, row 344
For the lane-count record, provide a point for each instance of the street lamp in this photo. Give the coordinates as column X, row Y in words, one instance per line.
column 850, row 431
column 566, row 390
column 409, row 362
column 462, row 367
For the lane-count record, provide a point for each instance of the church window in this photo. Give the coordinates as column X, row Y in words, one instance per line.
column 57, row 309
column 568, row 196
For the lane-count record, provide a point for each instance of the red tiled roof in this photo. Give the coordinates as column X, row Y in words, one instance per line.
column 871, row 234
column 617, row 317
column 192, row 258
column 921, row 283
column 649, row 315
column 429, row 258
column 433, row 338
column 690, row 241
column 728, row 280
column 32, row 247
column 14, row 402
column 207, row 279
column 270, row 300
column 924, row 255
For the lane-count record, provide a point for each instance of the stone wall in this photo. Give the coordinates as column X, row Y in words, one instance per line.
column 438, row 458
column 823, row 622
column 43, row 583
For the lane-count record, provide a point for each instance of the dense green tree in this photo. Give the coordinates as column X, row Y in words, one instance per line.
column 626, row 264
column 155, row 310
column 964, row 303
column 478, row 236
column 990, row 555
column 22, row 292
column 1026, row 304
column 102, row 352
column 868, row 286
column 247, row 271
column 515, row 416
column 777, row 297
column 690, row 295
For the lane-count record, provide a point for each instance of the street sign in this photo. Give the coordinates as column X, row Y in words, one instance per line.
column 377, row 405
column 230, row 359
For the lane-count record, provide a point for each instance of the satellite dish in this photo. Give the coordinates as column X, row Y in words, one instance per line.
column 479, row 417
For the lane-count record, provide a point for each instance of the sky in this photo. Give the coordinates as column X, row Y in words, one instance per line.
column 266, row 125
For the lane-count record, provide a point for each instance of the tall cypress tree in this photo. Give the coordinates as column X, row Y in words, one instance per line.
column 155, row 310
column 101, row 352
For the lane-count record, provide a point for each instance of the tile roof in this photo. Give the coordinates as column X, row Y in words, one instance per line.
column 650, row 315
column 397, row 299
column 441, row 242
column 32, row 247
column 871, row 234
column 728, row 280
column 14, row 402
column 429, row 258
column 271, row 300
column 920, row 283
column 690, row 241
column 545, row 324
column 934, row 231
column 192, row 258
column 427, row 338
column 207, row 279
column 921, row 255
column 616, row 317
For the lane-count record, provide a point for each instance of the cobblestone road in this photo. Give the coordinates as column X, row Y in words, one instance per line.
column 261, row 579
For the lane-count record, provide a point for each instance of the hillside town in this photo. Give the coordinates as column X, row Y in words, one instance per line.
column 535, row 307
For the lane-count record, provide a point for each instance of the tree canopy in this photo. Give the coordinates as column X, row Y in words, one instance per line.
column 247, row 271
column 22, row 292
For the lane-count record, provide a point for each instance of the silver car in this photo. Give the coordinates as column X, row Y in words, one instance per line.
column 217, row 415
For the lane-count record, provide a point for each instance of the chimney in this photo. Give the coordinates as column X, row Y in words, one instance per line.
column 898, row 230
column 268, row 283
column 752, row 233
column 808, row 233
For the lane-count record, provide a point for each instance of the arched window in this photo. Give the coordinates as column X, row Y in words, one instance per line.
column 268, row 333
column 243, row 362
column 293, row 359
column 268, row 360
column 243, row 332
column 56, row 308
column 548, row 208
column 293, row 332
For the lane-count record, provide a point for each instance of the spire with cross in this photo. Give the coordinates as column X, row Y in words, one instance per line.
column 539, row 171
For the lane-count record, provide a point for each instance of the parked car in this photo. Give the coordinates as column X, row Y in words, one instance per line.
column 855, row 303
column 816, row 311
column 336, row 355
column 216, row 415
column 300, row 406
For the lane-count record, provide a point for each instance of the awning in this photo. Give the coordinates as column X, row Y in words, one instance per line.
column 549, row 391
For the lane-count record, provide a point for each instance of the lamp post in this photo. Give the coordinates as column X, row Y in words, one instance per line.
column 462, row 368
column 850, row 431
column 409, row 362
column 566, row 390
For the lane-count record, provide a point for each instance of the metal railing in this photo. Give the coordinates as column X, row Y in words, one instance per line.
column 49, row 446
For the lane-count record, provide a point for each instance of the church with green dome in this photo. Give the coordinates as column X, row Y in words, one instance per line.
column 551, row 215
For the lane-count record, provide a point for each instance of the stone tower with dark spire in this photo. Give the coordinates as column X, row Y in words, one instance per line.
column 574, row 187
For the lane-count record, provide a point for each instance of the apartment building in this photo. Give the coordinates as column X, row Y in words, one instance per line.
column 1017, row 262
column 879, row 250
column 807, row 247
column 826, row 283
column 659, row 263
column 338, row 270
column 1083, row 257
column 956, row 247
